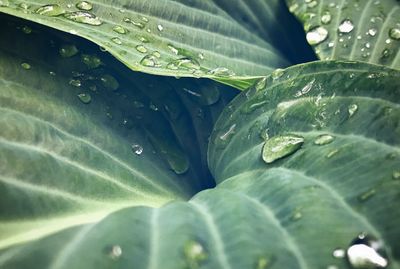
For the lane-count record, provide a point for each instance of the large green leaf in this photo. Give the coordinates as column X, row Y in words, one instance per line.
column 350, row 29
column 165, row 37
column 292, row 213
column 75, row 144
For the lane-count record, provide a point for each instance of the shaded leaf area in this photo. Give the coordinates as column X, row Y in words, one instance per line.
column 334, row 125
column 172, row 38
column 82, row 135
column 367, row 31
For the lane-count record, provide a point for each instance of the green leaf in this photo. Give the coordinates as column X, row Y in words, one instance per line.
column 367, row 31
column 172, row 38
column 292, row 213
column 81, row 136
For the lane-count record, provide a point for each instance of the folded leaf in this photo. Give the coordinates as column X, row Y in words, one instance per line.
column 356, row 30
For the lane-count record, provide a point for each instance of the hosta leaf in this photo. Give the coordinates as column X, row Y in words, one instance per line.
column 173, row 38
column 297, row 212
column 81, row 136
column 356, row 30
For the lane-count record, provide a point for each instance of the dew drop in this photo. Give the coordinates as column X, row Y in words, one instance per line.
column 156, row 54
column 50, row 10
column 142, row 49
column 366, row 195
column 260, row 85
column 137, row 149
column 396, row 175
column 332, row 153
column 83, row 5
column 114, row 252
column 116, row 40
column 296, row 215
column 26, row 29
column 91, row 61
column 394, row 33
column 277, row 73
column 226, row 136
column 83, row 17
column 364, row 252
column 339, row 253
column 119, row 29
column 352, row 109
column 194, row 253
column 264, row 262
column 85, row 98
column 173, row 49
column 184, row 63
column 324, row 140
column 109, row 82
column 150, row 61
column 68, row 50
column 372, row 31
column 278, row 147
column 316, row 35
column 326, row 17
column 26, row 66
column 221, row 72
column 305, row 89
column 160, row 27
column 75, row 82
column 346, row 26
column 385, row 53
column 144, row 19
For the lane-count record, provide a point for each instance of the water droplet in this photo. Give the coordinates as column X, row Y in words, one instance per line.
column 278, row 147
column 116, row 40
column 316, row 35
column 26, row 66
column 4, row 3
column 173, row 49
column 305, row 89
column 372, row 31
column 26, row 29
column 364, row 252
column 221, row 72
column 119, row 29
column 277, row 73
column 226, row 136
column 83, row 5
column 396, row 174
column 91, row 61
column 160, row 27
column 339, row 253
column 75, row 82
column 352, row 110
column 109, row 82
column 114, row 252
column 394, row 33
column 144, row 19
column 137, row 149
column 385, row 53
column 331, row 44
column 264, row 262
column 141, row 49
column 184, row 63
column 326, row 17
column 85, row 98
column 346, row 26
column 150, row 61
column 143, row 39
column 296, row 215
column 201, row 56
column 83, row 17
column 312, row 4
column 260, row 85
column 50, row 10
column 324, row 140
column 367, row 195
column 68, row 50
column 156, row 54
column 51, row 73
column 332, row 153
column 195, row 254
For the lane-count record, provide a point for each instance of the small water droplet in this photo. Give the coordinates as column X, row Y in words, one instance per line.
column 156, row 54
column 91, row 61
column 316, row 35
column 326, row 17
column 332, row 153
column 352, row 109
column 83, row 5
column 114, row 252
column 339, row 253
column 109, row 82
column 184, row 63
column 85, row 98
column 221, row 72
column 324, row 140
column 68, row 50
column 75, row 82
column 264, row 262
column 346, row 26
column 296, row 215
column 52, row 73
column 160, row 27
column 50, row 10
column 305, row 89
column 83, row 17
column 364, row 252
column 260, row 85
column 277, row 73
column 394, row 33
column 367, row 195
column 150, row 61
column 278, row 147
column 120, row 29
column 194, row 253
column 26, row 29
column 137, row 149
column 143, row 18
column 173, row 49
column 141, row 49
column 385, row 53
column 116, row 40
column 26, row 66
column 201, row 56
column 143, row 39
column 372, row 31
column 226, row 136
column 396, row 174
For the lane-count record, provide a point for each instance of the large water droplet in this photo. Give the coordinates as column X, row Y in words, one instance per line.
column 394, row 33
column 83, row 5
column 316, row 35
column 364, row 252
column 83, row 17
column 119, row 29
column 195, row 254
column 324, row 140
column 278, row 147
column 68, row 50
column 50, row 10
column 137, row 149
column 85, row 98
column 139, row 24
column 346, row 26
column 150, row 61
column 109, row 82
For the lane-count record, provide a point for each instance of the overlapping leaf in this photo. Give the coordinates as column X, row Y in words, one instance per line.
column 356, row 30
